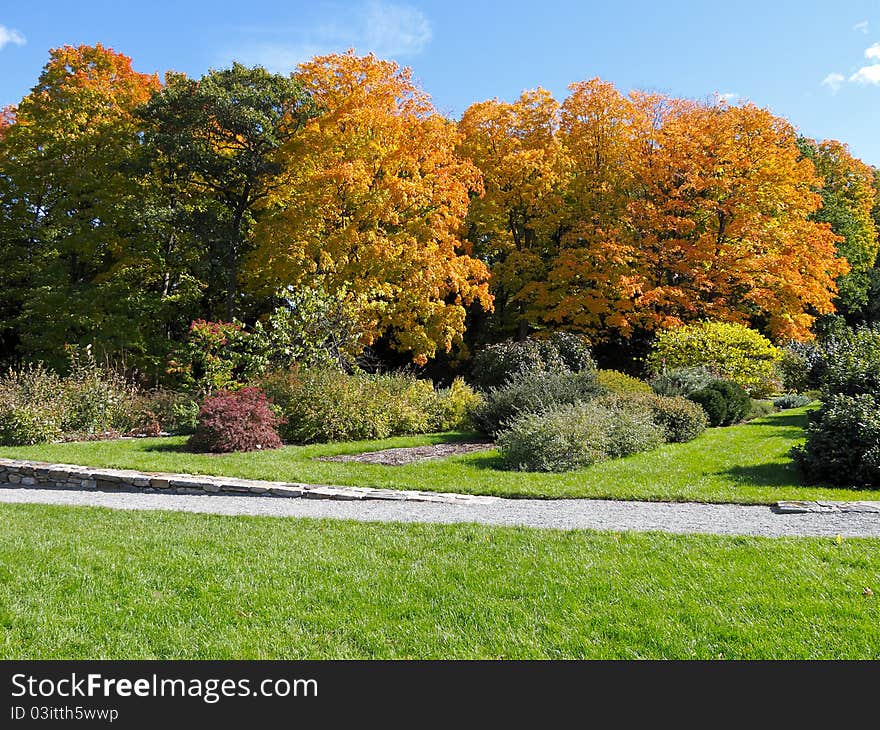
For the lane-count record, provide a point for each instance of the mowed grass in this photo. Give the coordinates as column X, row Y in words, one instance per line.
column 87, row 583
column 746, row 464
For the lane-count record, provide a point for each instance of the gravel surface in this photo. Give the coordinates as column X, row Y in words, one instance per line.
column 565, row 514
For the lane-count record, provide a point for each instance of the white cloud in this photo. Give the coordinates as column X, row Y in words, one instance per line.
column 389, row 30
column 867, row 75
column 10, row 36
column 862, row 26
column 834, row 81
column 729, row 96
column 872, row 53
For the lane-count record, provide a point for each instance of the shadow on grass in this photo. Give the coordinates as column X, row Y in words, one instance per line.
column 766, row 475
column 169, row 448
column 783, row 420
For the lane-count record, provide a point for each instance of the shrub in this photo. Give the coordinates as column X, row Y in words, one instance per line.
column 851, row 362
column 452, row 407
column 617, row 382
column 217, row 356
column 30, row 406
column 500, row 363
column 161, row 411
column 325, row 404
column 576, row 435
column 239, row 420
column 730, row 350
column 95, row 401
column 571, row 349
column 843, row 442
column 22, row 425
column 532, row 393
column 634, row 431
column 792, row 400
column 681, row 381
column 725, row 402
column 759, row 409
column 680, row 419
column 800, row 366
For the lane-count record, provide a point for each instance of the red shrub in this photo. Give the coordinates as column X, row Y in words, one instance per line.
column 236, row 421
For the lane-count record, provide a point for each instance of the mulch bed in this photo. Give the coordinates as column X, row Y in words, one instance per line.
column 411, row 454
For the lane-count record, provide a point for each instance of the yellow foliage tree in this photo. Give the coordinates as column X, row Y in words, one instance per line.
column 371, row 206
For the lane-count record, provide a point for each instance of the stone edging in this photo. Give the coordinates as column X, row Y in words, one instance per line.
column 796, row 507
column 21, row 473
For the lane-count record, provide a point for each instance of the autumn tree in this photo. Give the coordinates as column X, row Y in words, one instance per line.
column 725, row 221
column 590, row 278
column 847, row 191
column 514, row 224
column 371, row 207
column 213, row 144
column 68, row 202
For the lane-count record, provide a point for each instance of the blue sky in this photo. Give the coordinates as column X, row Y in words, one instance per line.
column 816, row 63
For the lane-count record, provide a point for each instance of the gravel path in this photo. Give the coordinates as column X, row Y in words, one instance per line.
column 565, row 514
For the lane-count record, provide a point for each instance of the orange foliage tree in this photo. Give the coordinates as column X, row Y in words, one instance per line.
column 371, row 205
column 667, row 211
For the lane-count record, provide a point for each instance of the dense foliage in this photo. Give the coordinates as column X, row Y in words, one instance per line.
column 725, row 402
column 497, row 364
column 91, row 401
column 843, row 438
column 843, row 441
column 324, row 404
column 132, row 206
column 576, row 435
column 532, row 393
column 730, row 350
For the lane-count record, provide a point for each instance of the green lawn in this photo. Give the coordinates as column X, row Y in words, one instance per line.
column 89, row 583
column 748, row 464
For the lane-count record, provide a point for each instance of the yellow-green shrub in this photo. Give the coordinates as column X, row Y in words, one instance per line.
column 732, row 351
column 616, row 382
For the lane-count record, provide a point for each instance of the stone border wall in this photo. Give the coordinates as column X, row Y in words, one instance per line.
column 38, row 474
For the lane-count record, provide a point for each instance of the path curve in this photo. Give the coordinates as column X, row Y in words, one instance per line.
column 565, row 514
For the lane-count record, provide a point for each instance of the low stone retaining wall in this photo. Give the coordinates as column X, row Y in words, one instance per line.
column 33, row 474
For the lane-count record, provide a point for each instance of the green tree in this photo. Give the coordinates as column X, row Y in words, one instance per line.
column 212, row 142
column 848, row 197
column 68, row 209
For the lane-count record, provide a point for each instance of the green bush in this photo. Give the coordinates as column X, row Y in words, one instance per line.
column 800, row 366
column 39, row 405
column 532, row 393
column 680, row 419
column 95, row 399
column 157, row 411
column 843, row 442
column 851, row 362
column 576, row 435
column 23, row 425
column 759, row 409
column 451, row 407
column 496, row 365
column 617, row 382
column 569, row 438
column 681, row 381
column 725, row 402
column 634, row 431
column 325, row 404
column 792, row 400
column 732, row 351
